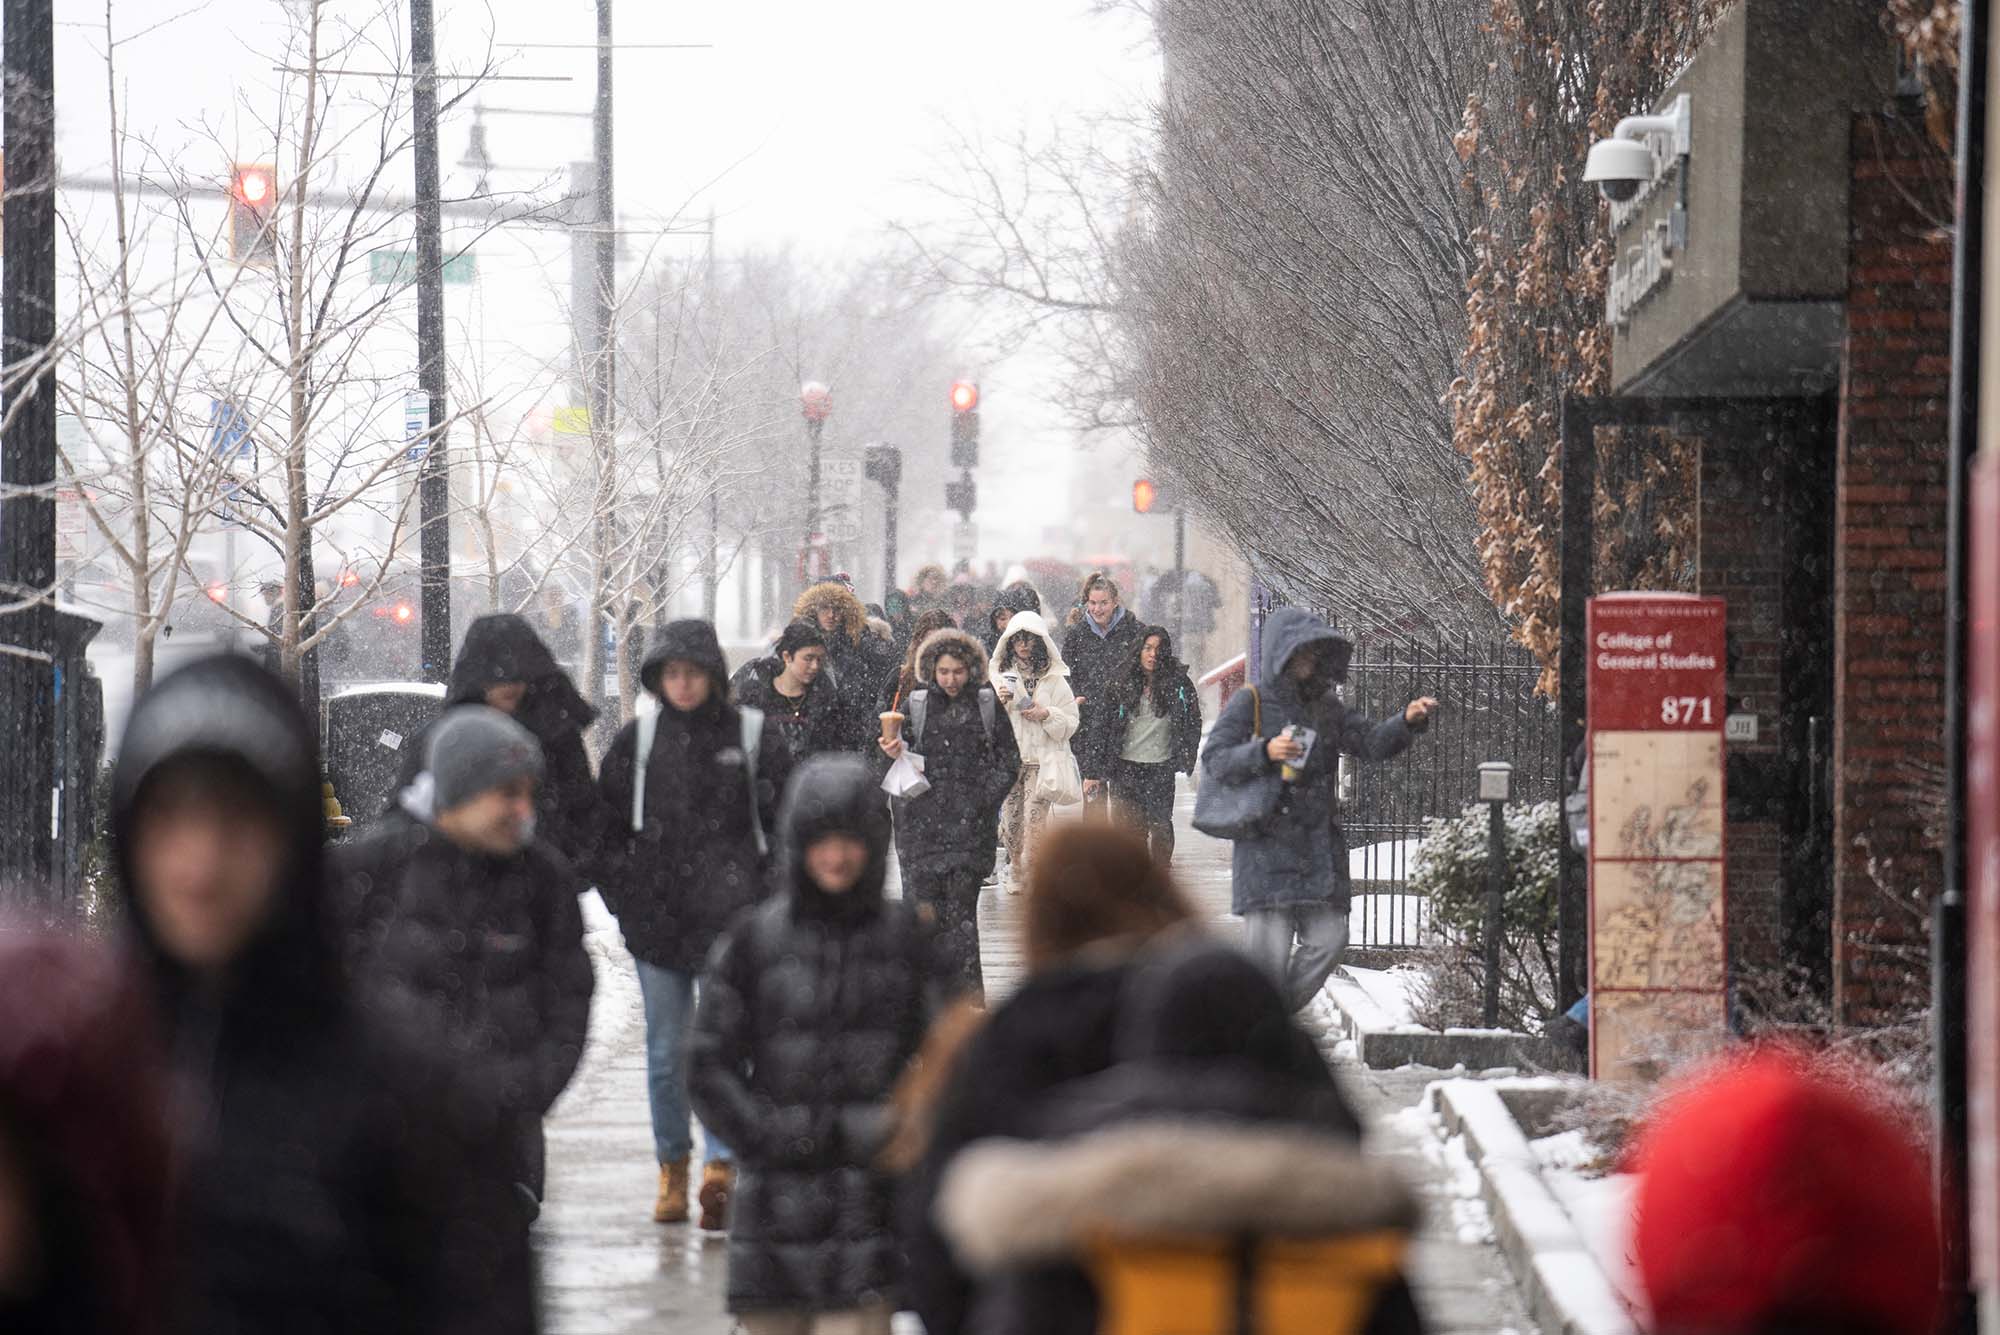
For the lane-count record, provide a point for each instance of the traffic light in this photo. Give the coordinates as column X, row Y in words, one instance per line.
column 253, row 203
column 964, row 424
column 883, row 464
column 1149, row 496
column 962, row 496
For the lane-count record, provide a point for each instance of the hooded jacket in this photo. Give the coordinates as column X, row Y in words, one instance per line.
column 83, row 1120
column 953, row 828
column 1094, row 663
column 676, row 883
column 1038, row 742
column 1122, row 700
column 503, row 647
column 336, row 1178
column 1301, row 856
column 1219, row 1123
column 1017, row 597
column 856, row 660
column 810, row 1010
column 818, row 721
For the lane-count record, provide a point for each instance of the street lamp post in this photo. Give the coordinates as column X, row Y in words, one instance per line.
column 1495, row 784
column 816, row 402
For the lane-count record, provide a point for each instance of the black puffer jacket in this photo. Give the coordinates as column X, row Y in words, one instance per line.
column 1213, row 1073
column 500, row 648
column 1122, row 700
column 696, row 863
column 336, row 1177
column 485, row 951
column 812, row 1006
column 1095, row 661
column 817, row 721
column 971, row 768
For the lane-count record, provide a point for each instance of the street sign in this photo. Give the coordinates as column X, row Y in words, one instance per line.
column 840, row 492
column 416, row 421
column 397, row 267
column 71, row 523
column 1658, row 950
column 229, row 431
column 965, row 540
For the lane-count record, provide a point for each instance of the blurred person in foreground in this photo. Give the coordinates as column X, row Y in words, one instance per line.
column 338, row 1175
column 945, row 836
column 467, row 922
column 1213, row 1171
column 1148, row 733
column 694, row 783
column 1290, row 880
column 1775, row 1200
column 504, row 665
column 84, row 1169
column 1095, row 903
column 1032, row 683
column 812, row 1006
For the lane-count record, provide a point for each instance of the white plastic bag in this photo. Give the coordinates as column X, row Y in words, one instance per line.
column 1059, row 781
column 906, row 777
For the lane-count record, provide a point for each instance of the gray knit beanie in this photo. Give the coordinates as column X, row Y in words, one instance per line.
column 474, row 748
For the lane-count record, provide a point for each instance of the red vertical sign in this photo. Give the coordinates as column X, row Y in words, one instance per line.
column 1658, row 953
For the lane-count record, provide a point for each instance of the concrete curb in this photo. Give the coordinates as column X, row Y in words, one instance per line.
column 1567, row 1291
column 1382, row 1046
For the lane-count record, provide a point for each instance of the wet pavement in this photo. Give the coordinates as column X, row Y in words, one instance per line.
column 607, row 1269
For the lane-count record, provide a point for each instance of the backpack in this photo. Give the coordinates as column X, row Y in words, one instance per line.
column 752, row 732
column 919, row 705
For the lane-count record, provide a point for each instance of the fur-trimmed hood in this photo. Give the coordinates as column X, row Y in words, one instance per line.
column 961, row 644
column 837, row 597
column 1008, row 1203
column 1028, row 623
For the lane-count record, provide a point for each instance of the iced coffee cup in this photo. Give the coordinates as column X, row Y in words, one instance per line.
column 892, row 725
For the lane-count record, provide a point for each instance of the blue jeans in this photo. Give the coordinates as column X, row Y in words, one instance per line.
column 669, row 998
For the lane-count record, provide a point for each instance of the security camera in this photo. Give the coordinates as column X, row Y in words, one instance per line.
column 1619, row 167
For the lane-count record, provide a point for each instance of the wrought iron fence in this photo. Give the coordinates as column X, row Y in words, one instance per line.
column 1488, row 710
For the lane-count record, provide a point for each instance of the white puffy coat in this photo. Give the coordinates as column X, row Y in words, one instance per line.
column 1043, row 740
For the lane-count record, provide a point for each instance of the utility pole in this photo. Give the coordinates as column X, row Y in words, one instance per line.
column 28, row 458
column 1180, row 577
column 434, row 488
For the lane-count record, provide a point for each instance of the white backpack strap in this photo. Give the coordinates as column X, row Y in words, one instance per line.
column 642, row 751
column 752, row 735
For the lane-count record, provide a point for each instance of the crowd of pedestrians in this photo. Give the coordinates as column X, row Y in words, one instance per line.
column 308, row 1093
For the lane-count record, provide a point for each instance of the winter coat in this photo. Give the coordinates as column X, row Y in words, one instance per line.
column 1016, row 597
column 1301, row 855
column 336, row 1177
column 92, row 1139
column 817, row 721
column 954, row 827
column 1038, row 742
column 675, row 883
column 485, row 951
column 1106, row 744
column 503, row 647
column 855, row 659
column 1094, row 664
column 1218, row 1126
column 1058, row 1026
column 812, row 1006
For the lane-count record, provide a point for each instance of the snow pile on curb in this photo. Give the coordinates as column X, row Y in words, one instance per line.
column 615, row 1005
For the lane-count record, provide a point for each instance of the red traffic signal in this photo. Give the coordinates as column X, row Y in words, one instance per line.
column 964, row 396
column 1144, row 494
column 253, row 198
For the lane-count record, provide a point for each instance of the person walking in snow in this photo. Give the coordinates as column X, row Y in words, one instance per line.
column 1290, row 880
column 1020, row 596
column 945, row 837
column 1148, row 732
column 1032, row 682
column 811, row 1007
column 505, row 665
column 856, row 660
column 696, row 781
column 1096, row 648
column 896, row 687
column 795, row 695
column 466, row 922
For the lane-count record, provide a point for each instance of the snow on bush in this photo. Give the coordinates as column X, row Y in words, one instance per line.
column 1449, row 871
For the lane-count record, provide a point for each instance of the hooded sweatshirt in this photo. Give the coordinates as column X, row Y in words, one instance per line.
column 676, row 882
column 1015, row 598
column 1042, row 741
column 811, row 1008
column 1301, row 855
column 335, row 1177
column 503, row 648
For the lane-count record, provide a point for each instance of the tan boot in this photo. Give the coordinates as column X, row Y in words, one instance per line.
column 718, row 1183
column 671, row 1206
